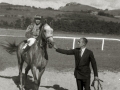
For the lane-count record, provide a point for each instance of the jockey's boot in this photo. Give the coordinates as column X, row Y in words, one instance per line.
column 26, row 49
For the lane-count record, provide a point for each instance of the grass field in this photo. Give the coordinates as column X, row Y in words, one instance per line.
column 108, row 59
column 60, row 67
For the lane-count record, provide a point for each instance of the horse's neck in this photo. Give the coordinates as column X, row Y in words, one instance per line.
column 40, row 45
column 41, row 42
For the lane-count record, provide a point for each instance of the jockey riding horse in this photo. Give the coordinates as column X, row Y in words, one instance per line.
column 32, row 33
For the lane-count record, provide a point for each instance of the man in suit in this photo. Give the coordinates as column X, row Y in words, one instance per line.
column 83, row 58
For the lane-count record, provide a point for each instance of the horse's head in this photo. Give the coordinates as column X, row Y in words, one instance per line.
column 47, row 35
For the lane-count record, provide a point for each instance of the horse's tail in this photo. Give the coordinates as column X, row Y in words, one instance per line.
column 9, row 47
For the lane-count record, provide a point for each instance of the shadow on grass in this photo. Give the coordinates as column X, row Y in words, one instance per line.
column 56, row 87
column 29, row 83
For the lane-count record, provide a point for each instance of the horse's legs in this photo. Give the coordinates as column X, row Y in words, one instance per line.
column 20, row 65
column 40, row 75
column 26, row 72
column 34, row 70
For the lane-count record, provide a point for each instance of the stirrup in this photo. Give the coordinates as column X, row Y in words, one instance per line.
column 26, row 49
column 24, row 46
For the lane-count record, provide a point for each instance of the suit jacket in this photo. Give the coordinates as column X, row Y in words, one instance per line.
column 82, row 64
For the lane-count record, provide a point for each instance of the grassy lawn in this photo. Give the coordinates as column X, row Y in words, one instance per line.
column 108, row 59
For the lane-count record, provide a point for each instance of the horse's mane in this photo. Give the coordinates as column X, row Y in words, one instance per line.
column 40, row 29
column 41, row 39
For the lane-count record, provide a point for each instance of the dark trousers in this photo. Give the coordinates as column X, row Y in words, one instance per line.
column 83, row 83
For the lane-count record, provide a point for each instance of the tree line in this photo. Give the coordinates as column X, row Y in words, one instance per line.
column 20, row 23
column 70, row 23
column 87, row 24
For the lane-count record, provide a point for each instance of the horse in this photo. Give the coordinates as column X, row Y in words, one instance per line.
column 36, row 57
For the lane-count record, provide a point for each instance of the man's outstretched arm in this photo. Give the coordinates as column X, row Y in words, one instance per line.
column 63, row 51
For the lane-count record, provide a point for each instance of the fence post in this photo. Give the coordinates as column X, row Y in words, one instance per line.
column 74, row 43
column 103, row 41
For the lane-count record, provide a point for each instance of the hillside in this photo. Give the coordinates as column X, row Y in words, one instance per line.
column 26, row 11
column 11, row 12
column 77, row 7
column 108, row 19
column 114, row 12
column 88, row 20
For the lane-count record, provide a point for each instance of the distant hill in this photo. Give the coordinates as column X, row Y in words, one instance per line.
column 77, row 7
column 114, row 12
column 9, row 12
column 3, row 3
column 73, row 17
column 7, row 9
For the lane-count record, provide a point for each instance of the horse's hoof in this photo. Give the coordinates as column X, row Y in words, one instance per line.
column 21, row 87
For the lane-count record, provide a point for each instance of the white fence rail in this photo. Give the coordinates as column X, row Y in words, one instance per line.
column 74, row 39
column 103, row 40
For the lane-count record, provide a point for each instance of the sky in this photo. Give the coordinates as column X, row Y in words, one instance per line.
column 101, row 4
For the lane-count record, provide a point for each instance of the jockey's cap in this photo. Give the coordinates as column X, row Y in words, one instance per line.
column 37, row 17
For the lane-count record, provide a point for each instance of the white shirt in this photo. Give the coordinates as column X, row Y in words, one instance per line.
column 82, row 51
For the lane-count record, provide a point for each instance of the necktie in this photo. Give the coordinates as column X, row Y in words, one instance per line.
column 80, row 53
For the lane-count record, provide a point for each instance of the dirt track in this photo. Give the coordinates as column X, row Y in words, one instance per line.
column 54, row 80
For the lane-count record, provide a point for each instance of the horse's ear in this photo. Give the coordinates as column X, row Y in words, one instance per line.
column 45, row 21
column 51, row 23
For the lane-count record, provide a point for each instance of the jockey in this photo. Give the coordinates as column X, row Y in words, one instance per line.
column 32, row 32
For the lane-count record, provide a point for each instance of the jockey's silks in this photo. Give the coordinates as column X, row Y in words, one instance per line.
column 32, row 30
column 36, row 29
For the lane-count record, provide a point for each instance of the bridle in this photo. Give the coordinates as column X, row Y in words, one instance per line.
column 41, row 33
column 48, row 37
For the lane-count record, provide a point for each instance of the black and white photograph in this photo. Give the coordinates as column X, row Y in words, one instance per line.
column 59, row 45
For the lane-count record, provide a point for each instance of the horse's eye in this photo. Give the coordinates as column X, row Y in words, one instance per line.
column 44, row 30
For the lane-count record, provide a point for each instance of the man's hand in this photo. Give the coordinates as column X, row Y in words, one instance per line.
column 55, row 47
column 96, row 83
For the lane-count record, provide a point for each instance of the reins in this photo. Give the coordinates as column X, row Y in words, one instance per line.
column 99, row 84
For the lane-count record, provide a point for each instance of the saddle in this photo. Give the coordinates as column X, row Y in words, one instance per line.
column 45, row 56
